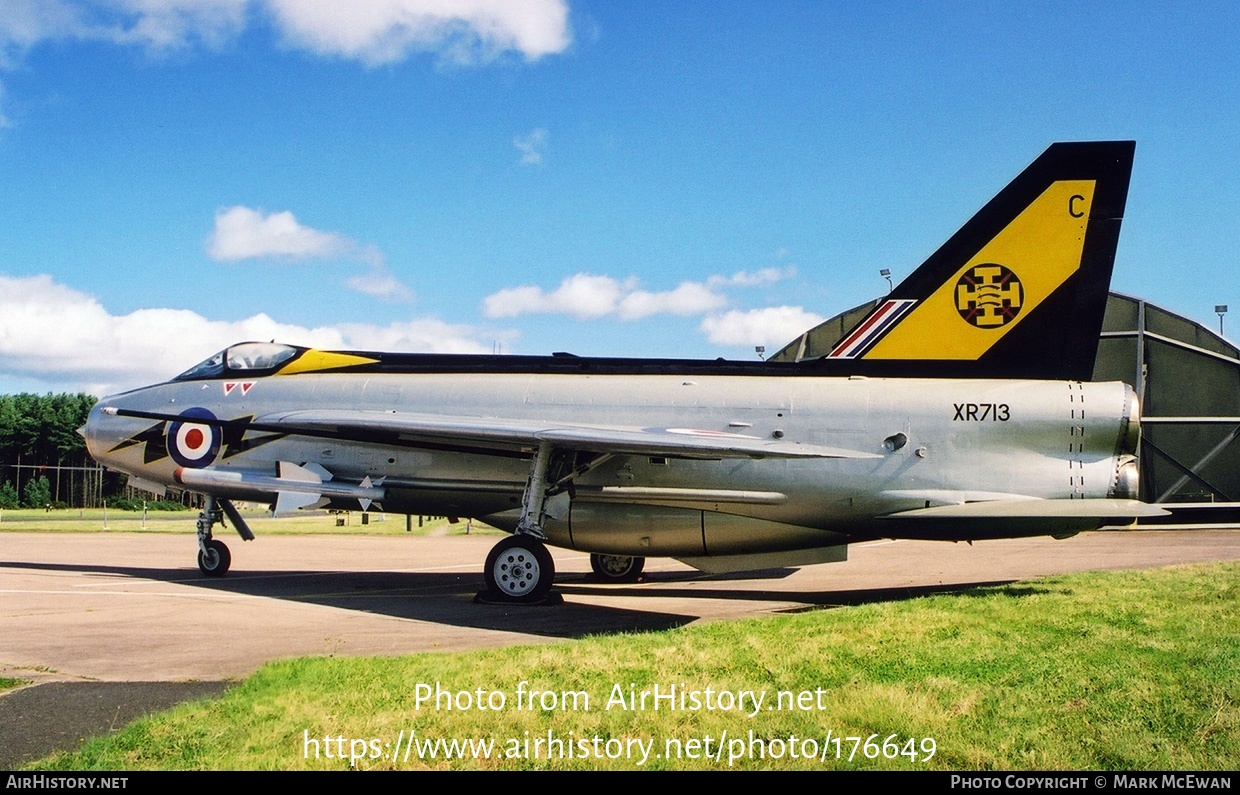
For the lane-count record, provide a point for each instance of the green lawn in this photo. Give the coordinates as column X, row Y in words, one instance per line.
column 1111, row 671
column 300, row 522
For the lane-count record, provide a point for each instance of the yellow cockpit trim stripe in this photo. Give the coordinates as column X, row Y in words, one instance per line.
column 313, row 361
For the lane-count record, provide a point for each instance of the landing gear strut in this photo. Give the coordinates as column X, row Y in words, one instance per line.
column 213, row 555
column 519, row 568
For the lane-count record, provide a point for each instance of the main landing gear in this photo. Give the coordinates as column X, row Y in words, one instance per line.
column 213, row 555
column 519, row 568
column 617, row 568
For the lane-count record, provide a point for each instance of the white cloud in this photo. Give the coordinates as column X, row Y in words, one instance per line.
column 244, row 233
column 583, row 296
column 532, row 147
column 158, row 25
column 773, row 325
column 68, row 340
column 374, row 32
column 379, row 283
column 753, row 279
column 461, row 31
column 170, row 24
column 689, row 298
column 24, row 23
column 155, row 24
column 425, row 334
column 588, row 296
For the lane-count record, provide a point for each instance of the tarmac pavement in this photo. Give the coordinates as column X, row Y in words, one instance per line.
column 110, row 626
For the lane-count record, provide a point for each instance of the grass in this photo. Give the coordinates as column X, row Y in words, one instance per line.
column 9, row 683
column 1108, row 671
column 302, row 522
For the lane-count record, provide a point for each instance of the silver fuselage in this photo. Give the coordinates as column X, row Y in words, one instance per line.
column 935, row 442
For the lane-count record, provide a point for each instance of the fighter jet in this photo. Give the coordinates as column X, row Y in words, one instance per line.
column 958, row 409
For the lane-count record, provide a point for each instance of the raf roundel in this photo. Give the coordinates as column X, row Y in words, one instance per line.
column 194, row 444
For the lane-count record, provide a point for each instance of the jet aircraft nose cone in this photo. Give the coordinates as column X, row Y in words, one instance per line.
column 117, row 441
column 91, row 430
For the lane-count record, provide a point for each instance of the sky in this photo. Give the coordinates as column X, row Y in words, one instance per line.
column 676, row 179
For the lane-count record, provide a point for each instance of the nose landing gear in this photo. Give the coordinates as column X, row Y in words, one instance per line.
column 213, row 555
column 214, row 558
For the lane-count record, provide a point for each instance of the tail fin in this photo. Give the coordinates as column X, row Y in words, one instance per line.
column 1020, row 290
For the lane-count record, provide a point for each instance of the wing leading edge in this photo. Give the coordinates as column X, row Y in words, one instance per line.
column 510, row 434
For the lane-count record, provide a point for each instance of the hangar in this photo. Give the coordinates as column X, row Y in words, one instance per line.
column 1188, row 378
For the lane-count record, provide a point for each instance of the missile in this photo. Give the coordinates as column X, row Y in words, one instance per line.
column 294, row 486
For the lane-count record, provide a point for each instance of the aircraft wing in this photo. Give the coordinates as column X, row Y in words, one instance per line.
column 516, row 434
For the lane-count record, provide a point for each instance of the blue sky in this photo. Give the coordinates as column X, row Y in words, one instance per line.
column 673, row 179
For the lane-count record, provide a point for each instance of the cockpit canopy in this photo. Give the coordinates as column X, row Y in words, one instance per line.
column 244, row 357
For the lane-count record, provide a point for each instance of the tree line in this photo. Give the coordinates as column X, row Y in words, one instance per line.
column 43, row 460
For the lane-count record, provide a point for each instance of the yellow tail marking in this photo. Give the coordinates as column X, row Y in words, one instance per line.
column 1041, row 248
column 315, row 360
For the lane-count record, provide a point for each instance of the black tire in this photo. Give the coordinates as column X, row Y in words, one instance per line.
column 617, row 568
column 217, row 559
column 519, row 569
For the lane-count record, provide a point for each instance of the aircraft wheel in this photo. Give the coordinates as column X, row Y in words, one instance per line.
column 617, row 568
column 520, row 569
column 216, row 560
